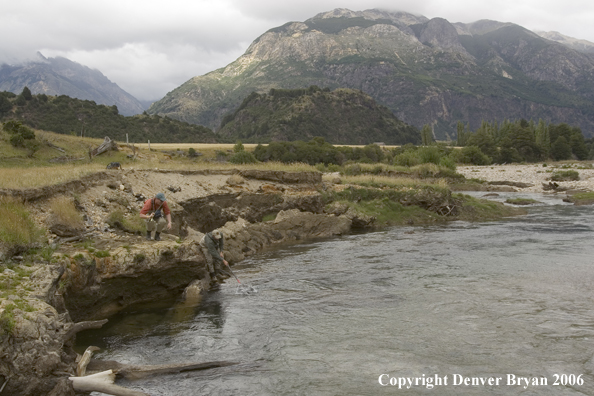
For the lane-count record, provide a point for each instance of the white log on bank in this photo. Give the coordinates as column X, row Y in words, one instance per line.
column 103, row 382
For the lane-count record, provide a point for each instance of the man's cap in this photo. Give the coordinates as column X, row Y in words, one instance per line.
column 216, row 234
column 161, row 197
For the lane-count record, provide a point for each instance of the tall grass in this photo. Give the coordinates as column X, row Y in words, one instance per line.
column 64, row 212
column 16, row 226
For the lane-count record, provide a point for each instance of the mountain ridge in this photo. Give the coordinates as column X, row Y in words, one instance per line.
column 426, row 71
column 61, row 76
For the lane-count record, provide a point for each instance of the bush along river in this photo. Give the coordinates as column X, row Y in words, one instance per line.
column 502, row 308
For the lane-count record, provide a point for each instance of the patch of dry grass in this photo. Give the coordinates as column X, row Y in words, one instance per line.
column 39, row 176
column 16, row 227
column 213, row 165
column 32, row 177
column 20, row 172
column 235, row 180
column 64, row 212
column 390, row 182
column 195, row 146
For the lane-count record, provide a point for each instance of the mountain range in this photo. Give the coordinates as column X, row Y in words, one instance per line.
column 426, row 71
column 60, row 76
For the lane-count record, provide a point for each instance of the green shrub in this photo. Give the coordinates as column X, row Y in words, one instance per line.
column 448, row 162
column 238, row 147
column 269, row 217
column 243, row 157
column 521, row 201
column 132, row 224
column 19, row 133
column 321, row 167
column 101, row 253
column 7, row 320
column 352, row 170
column 474, row 156
column 17, row 141
column 568, row 175
column 408, row 158
column 429, row 154
column 47, row 253
column 426, row 171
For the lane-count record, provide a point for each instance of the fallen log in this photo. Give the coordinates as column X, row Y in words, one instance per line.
column 133, row 371
column 102, row 382
column 80, row 326
column 107, row 145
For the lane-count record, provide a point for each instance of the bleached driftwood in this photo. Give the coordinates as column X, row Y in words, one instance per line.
column 81, row 367
column 102, row 382
column 107, row 145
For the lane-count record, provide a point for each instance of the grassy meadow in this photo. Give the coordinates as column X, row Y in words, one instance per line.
column 61, row 158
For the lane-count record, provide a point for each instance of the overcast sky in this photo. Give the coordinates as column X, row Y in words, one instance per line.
column 151, row 47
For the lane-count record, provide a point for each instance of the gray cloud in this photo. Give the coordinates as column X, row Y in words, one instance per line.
column 148, row 48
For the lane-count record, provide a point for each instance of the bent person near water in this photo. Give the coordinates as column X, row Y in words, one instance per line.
column 212, row 247
column 157, row 215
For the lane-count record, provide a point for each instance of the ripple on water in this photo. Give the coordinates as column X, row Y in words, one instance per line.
column 329, row 317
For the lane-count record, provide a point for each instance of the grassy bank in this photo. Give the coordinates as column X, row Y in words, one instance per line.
column 404, row 201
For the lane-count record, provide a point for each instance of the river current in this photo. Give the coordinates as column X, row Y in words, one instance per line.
column 406, row 310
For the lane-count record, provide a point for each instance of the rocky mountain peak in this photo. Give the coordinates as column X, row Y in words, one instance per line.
column 571, row 42
column 425, row 71
column 61, row 76
column 439, row 33
column 337, row 13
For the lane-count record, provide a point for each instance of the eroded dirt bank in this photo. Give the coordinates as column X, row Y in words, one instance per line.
column 79, row 286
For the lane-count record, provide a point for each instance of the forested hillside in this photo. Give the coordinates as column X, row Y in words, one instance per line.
column 342, row 116
column 66, row 115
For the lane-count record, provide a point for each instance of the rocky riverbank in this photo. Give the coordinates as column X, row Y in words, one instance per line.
column 96, row 271
column 531, row 177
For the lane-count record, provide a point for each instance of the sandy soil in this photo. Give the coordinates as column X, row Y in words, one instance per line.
column 535, row 174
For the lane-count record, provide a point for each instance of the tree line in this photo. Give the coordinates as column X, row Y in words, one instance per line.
column 66, row 115
column 525, row 141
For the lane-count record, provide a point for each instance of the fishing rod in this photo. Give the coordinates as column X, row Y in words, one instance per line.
column 229, row 268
